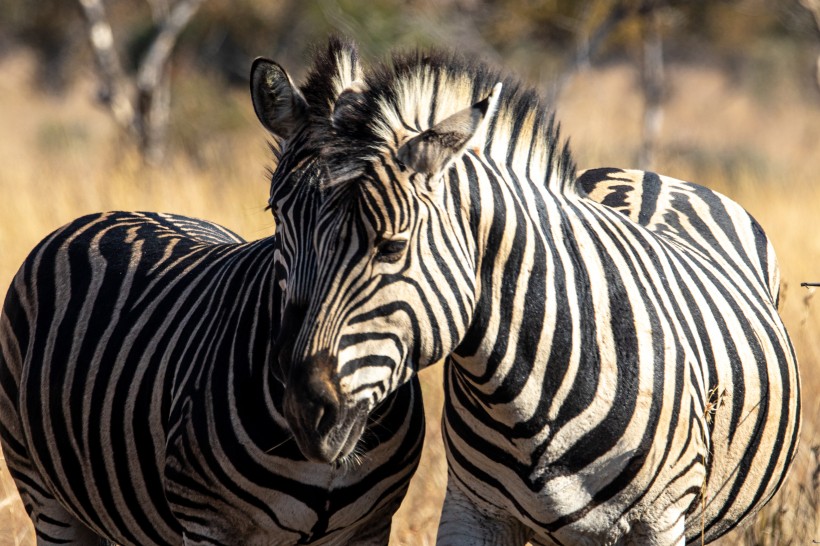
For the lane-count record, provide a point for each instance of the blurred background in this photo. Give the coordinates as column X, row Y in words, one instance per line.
column 143, row 104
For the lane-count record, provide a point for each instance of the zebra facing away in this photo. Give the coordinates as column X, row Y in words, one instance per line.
column 616, row 371
column 140, row 395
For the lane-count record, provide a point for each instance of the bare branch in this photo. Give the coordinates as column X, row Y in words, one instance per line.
column 113, row 91
column 158, row 54
column 587, row 44
column 153, row 85
column 813, row 7
column 159, row 9
column 146, row 117
column 619, row 12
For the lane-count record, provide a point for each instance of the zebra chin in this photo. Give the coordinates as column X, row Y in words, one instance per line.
column 326, row 442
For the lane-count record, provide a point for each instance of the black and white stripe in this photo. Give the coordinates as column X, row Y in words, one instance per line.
column 141, row 398
column 616, row 368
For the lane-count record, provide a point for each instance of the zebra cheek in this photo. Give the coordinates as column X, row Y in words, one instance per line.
column 368, row 378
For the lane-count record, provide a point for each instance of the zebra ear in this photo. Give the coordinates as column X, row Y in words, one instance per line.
column 432, row 151
column 279, row 105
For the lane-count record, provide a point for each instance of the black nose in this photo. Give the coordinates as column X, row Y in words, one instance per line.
column 312, row 406
column 320, row 399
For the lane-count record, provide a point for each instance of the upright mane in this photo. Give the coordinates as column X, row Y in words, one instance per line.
column 334, row 70
column 414, row 91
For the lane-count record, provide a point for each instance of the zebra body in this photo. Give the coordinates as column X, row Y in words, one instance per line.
column 138, row 402
column 726, row 466
column 608, row 381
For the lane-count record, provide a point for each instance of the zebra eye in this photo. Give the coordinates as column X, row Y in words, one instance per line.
column 390, row 250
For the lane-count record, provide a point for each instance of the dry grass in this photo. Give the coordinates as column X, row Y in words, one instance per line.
column 59, row 162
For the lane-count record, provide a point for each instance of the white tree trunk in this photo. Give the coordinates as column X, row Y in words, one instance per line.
column 652, row 79
column 141, row 106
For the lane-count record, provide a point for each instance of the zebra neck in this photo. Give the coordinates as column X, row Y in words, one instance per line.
column 525, row 253
column 235, row 298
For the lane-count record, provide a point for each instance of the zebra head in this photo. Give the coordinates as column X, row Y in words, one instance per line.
column 390, row 286
column 297, row 117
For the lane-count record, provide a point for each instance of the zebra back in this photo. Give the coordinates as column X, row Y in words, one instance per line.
column 691, row 216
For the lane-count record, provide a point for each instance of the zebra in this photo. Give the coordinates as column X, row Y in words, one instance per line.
column 616, row 371
column 141, row 397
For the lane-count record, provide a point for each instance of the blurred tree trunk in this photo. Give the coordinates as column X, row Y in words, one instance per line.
column 652, row 82
column 588, row 42
column 813, row 6
column 140, row 104
column 651, row 65
column 52, row 31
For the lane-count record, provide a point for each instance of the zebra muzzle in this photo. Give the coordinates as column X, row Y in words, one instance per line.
column 324, row 429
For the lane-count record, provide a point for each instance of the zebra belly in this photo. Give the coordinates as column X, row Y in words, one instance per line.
column 600, row 503
column 568, row 511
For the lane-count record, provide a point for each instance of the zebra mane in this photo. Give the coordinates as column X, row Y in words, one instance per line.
column 334, row 69
column 414, row 91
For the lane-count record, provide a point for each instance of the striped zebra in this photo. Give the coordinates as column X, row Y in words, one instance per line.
column 616, row 371
column 141, row 398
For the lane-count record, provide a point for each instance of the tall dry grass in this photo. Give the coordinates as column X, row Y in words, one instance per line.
column 61, row 159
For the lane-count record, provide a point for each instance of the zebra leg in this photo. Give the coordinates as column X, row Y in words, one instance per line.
column 53, row 524
column 667, row 530
column 463, row 523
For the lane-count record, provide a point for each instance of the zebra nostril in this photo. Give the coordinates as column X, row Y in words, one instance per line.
column 323, row 403
column 318, row 394
column 326, row 417
column 320, row 412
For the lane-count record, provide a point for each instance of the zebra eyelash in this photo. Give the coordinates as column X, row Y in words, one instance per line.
column 390, row 250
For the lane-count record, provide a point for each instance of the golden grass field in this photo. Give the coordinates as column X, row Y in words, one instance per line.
column 62, row 158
